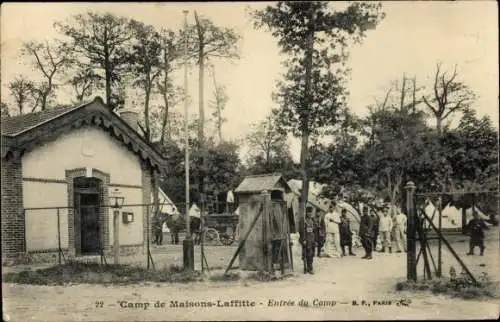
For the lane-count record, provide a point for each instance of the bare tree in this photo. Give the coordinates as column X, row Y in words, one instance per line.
column 449, row 96
column 218, row 104
column 49, row 59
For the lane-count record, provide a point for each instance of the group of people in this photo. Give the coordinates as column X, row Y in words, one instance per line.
column 333, row 234
column 390, row 225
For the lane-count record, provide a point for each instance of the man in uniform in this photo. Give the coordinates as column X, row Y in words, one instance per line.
column 475, row 228
column 345, row 233
column 307, row 239
column 375, row 222
column 366, row 233
column 319, row 232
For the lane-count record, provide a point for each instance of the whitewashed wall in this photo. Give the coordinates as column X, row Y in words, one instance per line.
column 88, row 147
column 131, row 233
column 41, row 225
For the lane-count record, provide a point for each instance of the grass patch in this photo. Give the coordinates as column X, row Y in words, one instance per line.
column 229, row 277
column 94, row 273
column 461, row 286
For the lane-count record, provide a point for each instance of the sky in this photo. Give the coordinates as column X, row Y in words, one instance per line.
column 412, row 39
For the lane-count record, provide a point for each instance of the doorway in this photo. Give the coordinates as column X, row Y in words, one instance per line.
column 87, row 210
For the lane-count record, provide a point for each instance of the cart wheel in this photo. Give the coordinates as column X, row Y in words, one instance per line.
column 226, row 240
column 211, row 237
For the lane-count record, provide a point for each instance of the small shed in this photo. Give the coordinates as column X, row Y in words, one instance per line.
column 264, row 222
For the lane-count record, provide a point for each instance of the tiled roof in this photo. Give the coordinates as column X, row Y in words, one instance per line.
column 12, row 126
column 257, row 183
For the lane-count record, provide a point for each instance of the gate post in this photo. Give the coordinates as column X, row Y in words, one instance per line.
column 411, row 260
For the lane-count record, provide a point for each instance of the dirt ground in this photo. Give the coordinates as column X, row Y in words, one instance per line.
column 329, row 293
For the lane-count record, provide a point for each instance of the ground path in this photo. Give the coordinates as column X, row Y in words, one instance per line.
column 340, row 280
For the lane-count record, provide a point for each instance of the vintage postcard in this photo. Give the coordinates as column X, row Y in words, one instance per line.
column 220, row 161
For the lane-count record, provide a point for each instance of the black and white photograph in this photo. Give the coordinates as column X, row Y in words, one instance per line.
column 264, row 161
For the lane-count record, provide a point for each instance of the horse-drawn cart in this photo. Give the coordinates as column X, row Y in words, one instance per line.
column 220, row 228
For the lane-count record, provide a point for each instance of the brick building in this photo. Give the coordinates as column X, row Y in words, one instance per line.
column 67, row 163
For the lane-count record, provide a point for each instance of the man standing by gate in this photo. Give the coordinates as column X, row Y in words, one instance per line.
column 366, row 233
column 307, row 239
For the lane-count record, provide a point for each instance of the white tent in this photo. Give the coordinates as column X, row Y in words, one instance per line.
column 166, row 207
column 352, row 214
column 194, row 211
column 451, row 217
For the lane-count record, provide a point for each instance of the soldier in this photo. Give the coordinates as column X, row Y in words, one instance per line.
column 475, row 228
column 366, row 233
column 157, row 230
column 345, row 233
column 308, row 242
column 385, row 229
column 320, row 233
column 375, row 223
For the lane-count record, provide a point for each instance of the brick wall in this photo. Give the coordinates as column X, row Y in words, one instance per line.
column 13, row 221
column 146, row 197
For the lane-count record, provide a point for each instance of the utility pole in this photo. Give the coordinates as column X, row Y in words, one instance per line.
column 187, row 244
column 201, row 132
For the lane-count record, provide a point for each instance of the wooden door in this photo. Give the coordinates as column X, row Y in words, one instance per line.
column 89, row 221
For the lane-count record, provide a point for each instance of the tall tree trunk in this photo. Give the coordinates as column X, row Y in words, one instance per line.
column 165, row 117
column 439, row 125
column 108, row 87
column 304, row 150
column 146, row 113
column 201, row 75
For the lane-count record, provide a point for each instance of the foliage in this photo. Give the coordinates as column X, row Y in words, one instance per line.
column 145, row 66
column 461, row 286
column 93, row 273
column 315, row 42
column 4, row 109
column 222, row 172
column 24, row 93
column 100, row 42
column 170, row 94
column 84, row 82
column 209, row 40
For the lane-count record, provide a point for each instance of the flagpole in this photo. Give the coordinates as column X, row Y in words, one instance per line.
column 187, row 245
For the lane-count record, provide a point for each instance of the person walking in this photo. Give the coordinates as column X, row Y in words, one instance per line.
column 475, row 228
column 400, row 230
column 345, row 233
column 366, row 233
column 332, row 233
column 308, row 241
column 385, row 229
